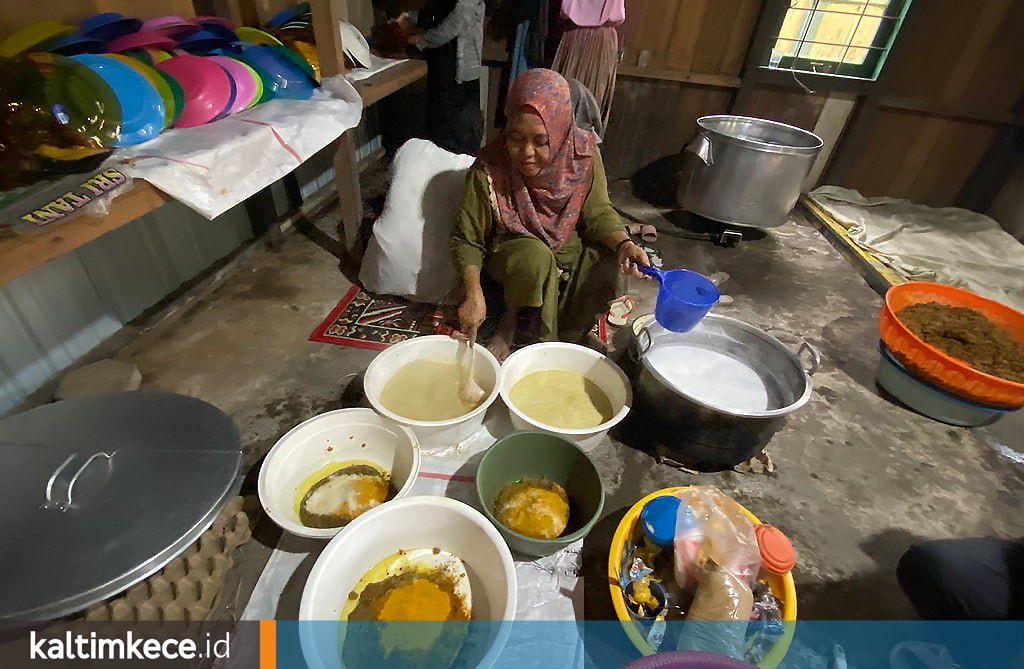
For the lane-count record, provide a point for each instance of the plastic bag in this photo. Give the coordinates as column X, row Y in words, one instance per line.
column 710, row 525
column 729, row 538
column 689, row 537
column 408, row 254
column 717, row 620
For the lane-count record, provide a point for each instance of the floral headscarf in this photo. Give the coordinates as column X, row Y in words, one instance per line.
column 546, row 206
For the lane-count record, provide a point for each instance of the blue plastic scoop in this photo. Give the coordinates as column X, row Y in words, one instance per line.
column 684, row 298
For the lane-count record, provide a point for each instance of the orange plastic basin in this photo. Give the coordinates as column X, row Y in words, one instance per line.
column 931, row 364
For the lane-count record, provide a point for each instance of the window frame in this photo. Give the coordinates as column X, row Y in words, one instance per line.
column 869, row 70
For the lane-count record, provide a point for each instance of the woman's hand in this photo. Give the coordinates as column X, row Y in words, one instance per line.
column 472, row 313
column 631, row 258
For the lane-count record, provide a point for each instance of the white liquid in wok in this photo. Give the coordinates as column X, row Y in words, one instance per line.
column 712, row 377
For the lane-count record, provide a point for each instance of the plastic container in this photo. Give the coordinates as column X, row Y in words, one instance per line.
column 486, row 371
column 782, row 586
column 335, row 436
column 535, row 455
column 571, row 358
column 931, row 364
column 410, row 523
column 928, row 400
column 684, row 299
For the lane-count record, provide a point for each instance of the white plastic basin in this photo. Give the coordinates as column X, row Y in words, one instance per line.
column 335, row 436
column 486, row 371
column 570, row 358
column 414, row 522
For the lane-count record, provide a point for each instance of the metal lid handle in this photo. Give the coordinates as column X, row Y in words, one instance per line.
column 65, row 504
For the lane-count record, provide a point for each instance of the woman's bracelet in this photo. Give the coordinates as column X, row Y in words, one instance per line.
column 624, row 241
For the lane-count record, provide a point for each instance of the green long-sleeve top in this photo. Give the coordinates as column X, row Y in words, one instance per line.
column 475, row 231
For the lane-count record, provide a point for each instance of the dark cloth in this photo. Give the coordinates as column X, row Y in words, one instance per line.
column 965, row 579
column 454, row 120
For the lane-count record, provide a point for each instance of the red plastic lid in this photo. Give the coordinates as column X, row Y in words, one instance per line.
column 777, row 553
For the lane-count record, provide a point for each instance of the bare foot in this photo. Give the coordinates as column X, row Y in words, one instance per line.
column 504, row 336
column 499, row 348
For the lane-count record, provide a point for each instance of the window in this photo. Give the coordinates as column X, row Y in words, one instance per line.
column 838, row 37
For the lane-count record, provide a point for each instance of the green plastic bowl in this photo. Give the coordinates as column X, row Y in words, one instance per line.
column 538, row 455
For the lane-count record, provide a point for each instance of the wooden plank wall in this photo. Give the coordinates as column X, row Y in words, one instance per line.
column 682, row 59
column 952, row 79
column 955, row 60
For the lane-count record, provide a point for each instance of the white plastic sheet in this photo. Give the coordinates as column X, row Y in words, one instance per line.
column 213, row 167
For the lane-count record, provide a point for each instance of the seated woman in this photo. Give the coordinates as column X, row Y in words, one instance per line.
column 537, row 219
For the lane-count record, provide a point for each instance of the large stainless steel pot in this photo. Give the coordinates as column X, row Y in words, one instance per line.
column 715, row 396
column 749, row 171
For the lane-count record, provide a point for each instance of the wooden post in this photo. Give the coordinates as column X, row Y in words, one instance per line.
column 346, row 168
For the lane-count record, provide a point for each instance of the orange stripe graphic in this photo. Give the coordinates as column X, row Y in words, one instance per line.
column 268, row 644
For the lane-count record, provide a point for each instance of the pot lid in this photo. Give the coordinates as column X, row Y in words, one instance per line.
column 658, row 519
column 777, row 553
column 726, row 365
column 102, row 491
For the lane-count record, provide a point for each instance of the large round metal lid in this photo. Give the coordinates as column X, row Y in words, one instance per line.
column 100, row 492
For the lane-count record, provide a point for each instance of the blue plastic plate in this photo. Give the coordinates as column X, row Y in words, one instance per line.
column 205, row 40
column 72, row 45
column 287, row 14
column 285, row 79
column 108, row 26
column 142, row 108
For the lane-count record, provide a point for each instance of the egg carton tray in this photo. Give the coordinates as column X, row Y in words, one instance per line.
column 186, row 588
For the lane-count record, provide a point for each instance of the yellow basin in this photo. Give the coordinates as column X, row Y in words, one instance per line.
column 781, row 586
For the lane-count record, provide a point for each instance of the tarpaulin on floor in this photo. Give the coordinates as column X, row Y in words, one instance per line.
column 947, row 245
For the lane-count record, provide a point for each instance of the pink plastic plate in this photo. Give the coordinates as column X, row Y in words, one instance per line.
column 172, row 26
column 140, row 39
column 246, row 88
column 206, row 85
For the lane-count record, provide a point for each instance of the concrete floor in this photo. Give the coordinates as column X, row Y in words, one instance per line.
column 858, row 478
